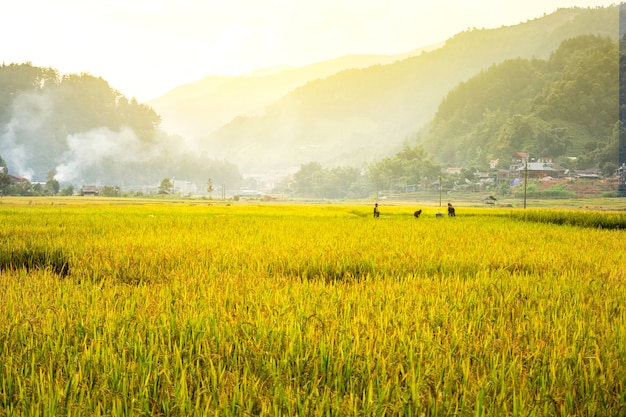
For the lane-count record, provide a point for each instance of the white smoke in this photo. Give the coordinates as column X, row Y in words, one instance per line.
column 88, row 149
column 29, row 112
column 13, row 153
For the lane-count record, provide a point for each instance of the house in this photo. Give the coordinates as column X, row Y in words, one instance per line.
column 589, row 174
column 519, row 160
column 558, row 168
column 483, row 176
column 89, row 190
column 540, row 168
column 537, row 170
column 16, row 179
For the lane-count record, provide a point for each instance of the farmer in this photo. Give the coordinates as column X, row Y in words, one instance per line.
column 376, row 212
column 451, row 212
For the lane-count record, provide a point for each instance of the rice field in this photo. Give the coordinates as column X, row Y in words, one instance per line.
column 131, row 307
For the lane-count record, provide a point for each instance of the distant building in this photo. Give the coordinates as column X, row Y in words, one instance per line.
column 541, row 168
column 89, row 190
column 16, row 179
column 591, row 174
column 519, row 160
column 537, row 170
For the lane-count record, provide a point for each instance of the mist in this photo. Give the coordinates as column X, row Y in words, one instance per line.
column 29, row 112
column 88, row 151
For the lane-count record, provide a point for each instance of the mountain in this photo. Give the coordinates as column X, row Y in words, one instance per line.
column 484, row 92
column 357, row 115
column 555, row 108
column 199, row 108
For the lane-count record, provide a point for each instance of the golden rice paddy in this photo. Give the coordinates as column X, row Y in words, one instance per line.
column 175, row 309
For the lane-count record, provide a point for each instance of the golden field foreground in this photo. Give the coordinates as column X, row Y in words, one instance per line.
column 132, row 307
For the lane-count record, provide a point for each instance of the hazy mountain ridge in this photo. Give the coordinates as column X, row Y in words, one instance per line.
column 376, row 108
column 89, row 133
column 199, row 108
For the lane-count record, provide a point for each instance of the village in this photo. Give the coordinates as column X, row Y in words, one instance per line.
column 543, row 173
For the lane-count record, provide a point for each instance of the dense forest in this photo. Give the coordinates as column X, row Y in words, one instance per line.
column 79, row 130
column 557, row 108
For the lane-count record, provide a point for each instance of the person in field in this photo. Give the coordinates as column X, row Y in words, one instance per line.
column 376, row 212
column 451, row 211
column 417, row 214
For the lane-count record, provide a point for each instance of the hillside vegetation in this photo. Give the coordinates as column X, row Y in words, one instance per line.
column 563, row 106
column 79, row 129
column 360, row 114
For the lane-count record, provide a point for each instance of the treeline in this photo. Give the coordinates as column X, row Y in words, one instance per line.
column 24, row 187
column 563, row 108
column 411, row 168
column 83, row 131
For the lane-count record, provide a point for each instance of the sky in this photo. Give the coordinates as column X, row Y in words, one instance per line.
column 145, row 48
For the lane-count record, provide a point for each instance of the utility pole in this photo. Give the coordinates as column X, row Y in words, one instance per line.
column 525, row 181
column 377, row 187
column 439, row 190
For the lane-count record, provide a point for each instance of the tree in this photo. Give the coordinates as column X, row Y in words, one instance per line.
column 408, row 167
column 209, row 187
column 52, row 185
column 306, row 179
column 68, row 191
column 166, row 186
column 5, row 183
column 5, row 180
column 111, row 191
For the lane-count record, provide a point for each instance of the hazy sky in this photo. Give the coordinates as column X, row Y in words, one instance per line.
column 144, row 48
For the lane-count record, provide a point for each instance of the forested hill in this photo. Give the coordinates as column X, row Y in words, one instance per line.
column 80, row 130
column 41, row 111
column 559, row 107
column 361, row 114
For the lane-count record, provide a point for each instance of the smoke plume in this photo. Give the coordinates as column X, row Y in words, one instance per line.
column 87, row 150
column 29, row 111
